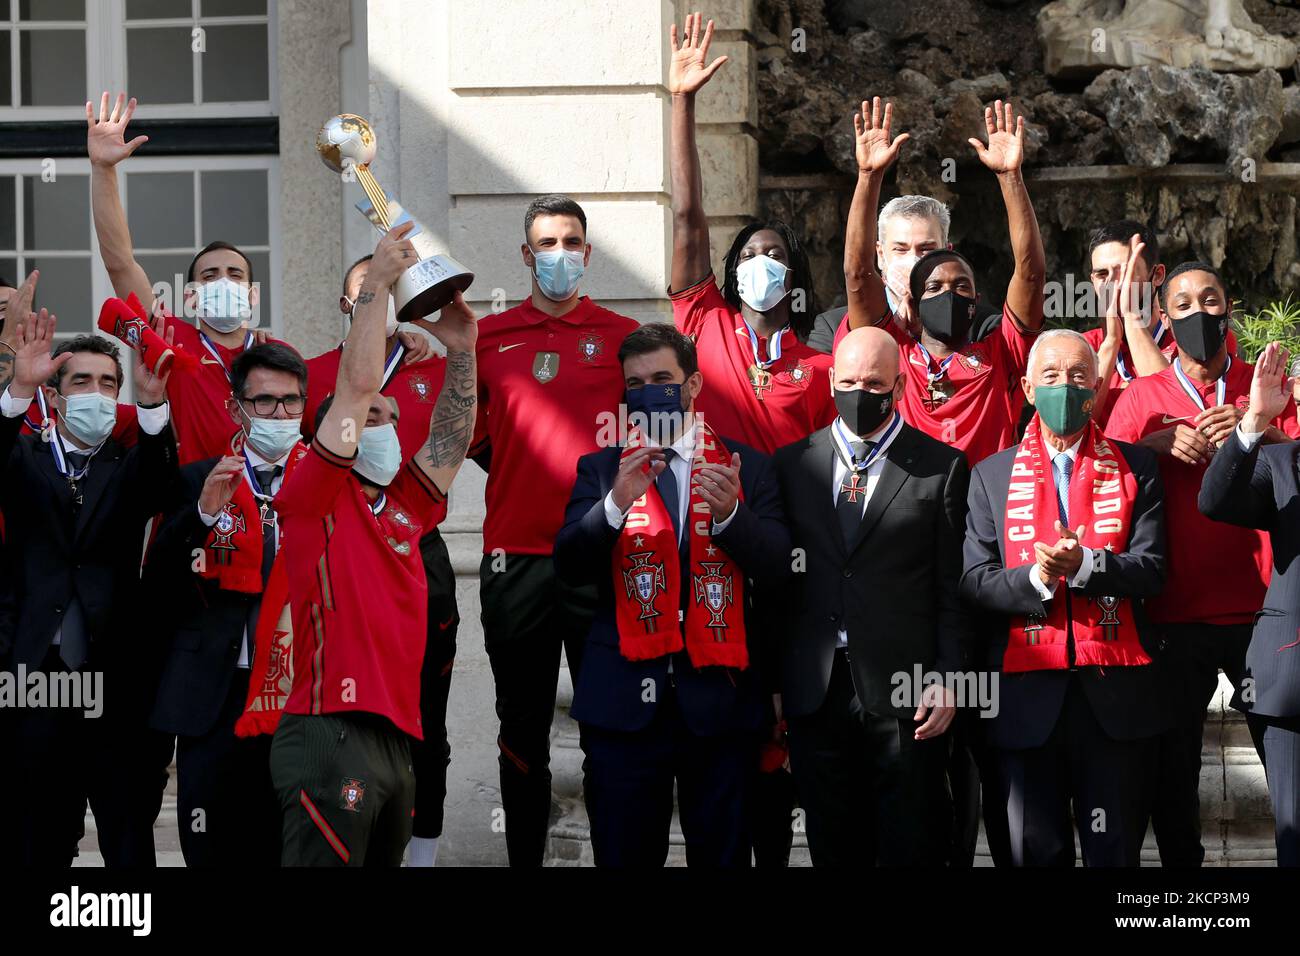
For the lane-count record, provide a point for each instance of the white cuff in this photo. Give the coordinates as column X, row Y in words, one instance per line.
column 14, row 407
column 1043, row 590
column 152, row 420
column 612, row 514
column 1248, row 439
column 1080, row 579
column 721, row 526
column 208, row 520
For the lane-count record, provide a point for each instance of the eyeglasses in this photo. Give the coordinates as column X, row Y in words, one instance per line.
column 265, row 405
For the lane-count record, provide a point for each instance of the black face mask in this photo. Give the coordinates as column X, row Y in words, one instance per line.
column 863, row 411
column 947, row 317
column 1200, row 334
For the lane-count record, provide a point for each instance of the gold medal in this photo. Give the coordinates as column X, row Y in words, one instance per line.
column 760, row 379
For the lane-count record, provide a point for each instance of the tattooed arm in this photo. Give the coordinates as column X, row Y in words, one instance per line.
column 452, row 424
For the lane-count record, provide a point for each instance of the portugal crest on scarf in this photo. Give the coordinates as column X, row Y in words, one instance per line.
column 229, row 523
column 644, row 580
column 713, row 590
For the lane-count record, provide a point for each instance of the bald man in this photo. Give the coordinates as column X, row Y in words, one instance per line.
column 876, row 511
column 1065, row 539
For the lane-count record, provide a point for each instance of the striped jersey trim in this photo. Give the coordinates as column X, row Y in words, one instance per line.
column 330, row 458
column 690, row 288
column 427, row 483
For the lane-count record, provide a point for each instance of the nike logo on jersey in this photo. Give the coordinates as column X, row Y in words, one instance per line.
column 1169, row 421
column 506, row 348
column 204, row 360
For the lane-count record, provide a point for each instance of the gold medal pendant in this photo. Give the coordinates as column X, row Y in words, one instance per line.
column 760, row 379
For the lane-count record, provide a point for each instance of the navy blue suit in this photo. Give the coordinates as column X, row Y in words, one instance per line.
column 642, row 726
column 1260, row 489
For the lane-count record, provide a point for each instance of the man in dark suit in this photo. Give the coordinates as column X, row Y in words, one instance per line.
column 213, row 557
column 75, row 509
column 876, row 510
column 667, row 690
column 1254, row 485
column 1066, row 563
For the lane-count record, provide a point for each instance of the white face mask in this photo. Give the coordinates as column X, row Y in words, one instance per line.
column 273, row 438
column 379, row 454
column 761, row 282
column 899, row 273
column 223, row 304
column 90, row 416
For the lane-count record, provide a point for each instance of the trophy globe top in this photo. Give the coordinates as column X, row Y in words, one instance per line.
column 346, row 139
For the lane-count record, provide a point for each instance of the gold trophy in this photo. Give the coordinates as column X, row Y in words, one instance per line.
column 347, row 145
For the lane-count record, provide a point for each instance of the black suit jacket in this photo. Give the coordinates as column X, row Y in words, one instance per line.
column 610, row 690
column 894, row 591
column 1129, row 702
column 204, row 625
column 54, row 552
column 1258, row 489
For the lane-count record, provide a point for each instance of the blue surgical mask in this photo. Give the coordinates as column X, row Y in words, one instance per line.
column 379, row 454
column 89, row 416
column 223, row 304
column 273, row 438
column 558, row 272
column 662, row 408
column 761, row 282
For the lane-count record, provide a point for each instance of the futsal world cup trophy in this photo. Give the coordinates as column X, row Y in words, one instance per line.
column 347, row 145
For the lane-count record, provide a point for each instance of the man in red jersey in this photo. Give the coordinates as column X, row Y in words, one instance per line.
column 959, row 391
column 764, row 385
column 1142, row 343
column 1217, row 573
column 220, row 293
column 353, row 515
column 548, row 369
column 412, row 378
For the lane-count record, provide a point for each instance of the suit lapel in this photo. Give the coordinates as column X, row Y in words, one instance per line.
column 102, row 468
column 55, row 487
column 821, row 458
column 892, row 477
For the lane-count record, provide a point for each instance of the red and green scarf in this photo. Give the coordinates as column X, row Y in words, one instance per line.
column 1102, row 491
column 647, row 576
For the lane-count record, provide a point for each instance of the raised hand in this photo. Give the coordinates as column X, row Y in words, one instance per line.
column 219, row 486
column 719, row 486
column 106, row 136
column 875, row 151
column 636, row 472
column 33, row 364
column 151, row 389
column 457, row 326
column 689, row 68
column 417, row 347
column 1270, row 388
column 18, row 309
column 1006, row 149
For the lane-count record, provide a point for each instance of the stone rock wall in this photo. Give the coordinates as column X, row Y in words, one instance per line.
column 941, row 62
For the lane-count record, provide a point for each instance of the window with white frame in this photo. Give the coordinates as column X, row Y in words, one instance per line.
column 190, row 60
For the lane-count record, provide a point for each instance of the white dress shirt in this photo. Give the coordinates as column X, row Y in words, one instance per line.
column 151, row 422
column 1081, row 576
column 870, row 477
column 257, row 461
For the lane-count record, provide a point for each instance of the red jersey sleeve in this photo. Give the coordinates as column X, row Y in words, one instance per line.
column 1127, row 421
column 1016, row 341
column 313, row 488
column 418, row 492
column 696, row 306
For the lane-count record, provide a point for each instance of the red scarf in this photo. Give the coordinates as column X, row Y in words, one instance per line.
column 1102, row 491
column 647, row 576
column 271, row 673
column 233, row 551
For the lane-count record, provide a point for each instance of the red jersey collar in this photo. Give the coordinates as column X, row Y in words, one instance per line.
column 575, row 316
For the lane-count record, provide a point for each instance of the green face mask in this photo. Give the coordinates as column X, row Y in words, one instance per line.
column 1063, row 409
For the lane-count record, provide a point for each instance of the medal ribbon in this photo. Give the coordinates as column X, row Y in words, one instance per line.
column 1220, row 387
column 212, row 350
column 773, row 346
column 843, row 446
column 1120, row 367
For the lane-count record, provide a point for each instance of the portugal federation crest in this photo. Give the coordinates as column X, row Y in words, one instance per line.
column 713, row 590
column 351, row 794
column 590, row 348
column 229, row 523
column 421, row 387
column 797, row 373
column 644, row 580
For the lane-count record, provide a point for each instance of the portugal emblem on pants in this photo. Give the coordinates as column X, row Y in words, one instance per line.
column 643, row 581
column 353, row 792
column 713, row 589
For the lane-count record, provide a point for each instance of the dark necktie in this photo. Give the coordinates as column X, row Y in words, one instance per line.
column 669, row 492
column 74, row 642
column 849, row 504
column 266, row 476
